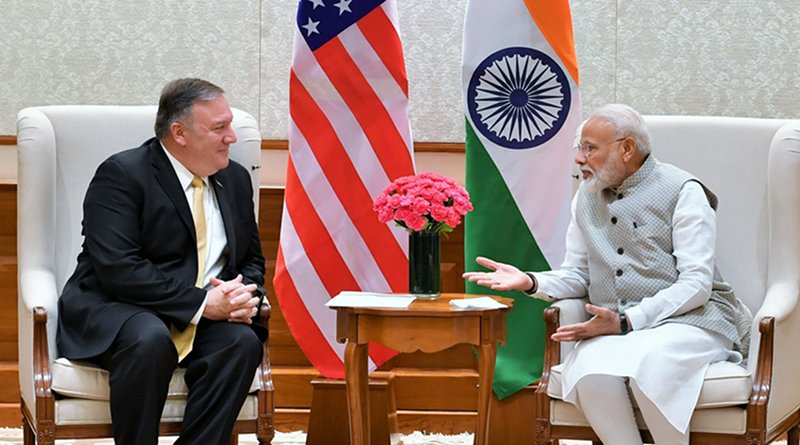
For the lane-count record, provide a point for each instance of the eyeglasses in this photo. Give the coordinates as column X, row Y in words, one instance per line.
column 589, row 149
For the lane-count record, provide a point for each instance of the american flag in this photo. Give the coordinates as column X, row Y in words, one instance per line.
column 349, row 136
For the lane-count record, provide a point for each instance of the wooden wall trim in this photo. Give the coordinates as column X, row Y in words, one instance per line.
column 6, row 139
column 419, row 147
column 274, row 144
column 439, row 147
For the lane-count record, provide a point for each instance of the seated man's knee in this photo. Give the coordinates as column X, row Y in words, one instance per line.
column 598, row 385
column 148, row 339
column 248, row 345
column 155, row 342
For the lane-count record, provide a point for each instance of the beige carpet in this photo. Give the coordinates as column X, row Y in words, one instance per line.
column 13, row 436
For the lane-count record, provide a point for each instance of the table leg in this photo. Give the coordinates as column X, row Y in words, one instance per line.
column 486, row 358
column 355, row 369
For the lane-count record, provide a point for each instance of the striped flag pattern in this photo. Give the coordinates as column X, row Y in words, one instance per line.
column 349, row 137
column 523, row 108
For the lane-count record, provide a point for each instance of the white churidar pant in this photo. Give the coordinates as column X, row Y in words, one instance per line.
column 664, row 368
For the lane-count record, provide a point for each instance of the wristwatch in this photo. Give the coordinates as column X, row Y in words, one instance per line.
column 624, row 327
column 534, row 286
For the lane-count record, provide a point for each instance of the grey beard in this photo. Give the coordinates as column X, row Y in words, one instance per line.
column 607, row 175
column 592, row 185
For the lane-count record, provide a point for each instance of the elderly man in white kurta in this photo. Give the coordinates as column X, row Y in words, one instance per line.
column 640, row 245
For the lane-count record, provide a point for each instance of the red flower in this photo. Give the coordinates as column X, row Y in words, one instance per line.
column 426, row 202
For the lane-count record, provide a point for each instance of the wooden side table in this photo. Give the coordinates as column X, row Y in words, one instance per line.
column 428, row 326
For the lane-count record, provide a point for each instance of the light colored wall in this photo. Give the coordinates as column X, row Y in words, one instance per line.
column 119, row 52
column 725, row 57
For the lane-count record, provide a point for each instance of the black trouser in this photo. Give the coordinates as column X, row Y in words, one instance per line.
column 219, row 372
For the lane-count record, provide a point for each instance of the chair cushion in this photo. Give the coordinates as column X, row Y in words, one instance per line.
column 725, row 384
column 92, row 412
column 727, row 420
column 83, row 380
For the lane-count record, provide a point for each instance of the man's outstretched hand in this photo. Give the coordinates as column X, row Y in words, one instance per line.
column 501, row 276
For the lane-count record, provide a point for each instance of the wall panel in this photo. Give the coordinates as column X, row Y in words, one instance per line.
column 733, row 57
column 595, row 27
column 101, row 52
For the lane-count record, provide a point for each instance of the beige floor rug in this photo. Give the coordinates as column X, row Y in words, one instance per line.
column 13, row 436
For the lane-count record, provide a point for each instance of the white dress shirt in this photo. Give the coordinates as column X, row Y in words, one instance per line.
column 216, row 251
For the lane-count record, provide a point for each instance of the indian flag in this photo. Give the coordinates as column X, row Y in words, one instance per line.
column 523, row 107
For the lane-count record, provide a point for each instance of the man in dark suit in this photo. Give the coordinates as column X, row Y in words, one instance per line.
column 171, row 273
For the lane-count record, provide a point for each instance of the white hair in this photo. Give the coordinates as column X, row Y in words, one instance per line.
column 627, row 122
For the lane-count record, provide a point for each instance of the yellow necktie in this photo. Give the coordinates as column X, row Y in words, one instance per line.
column 183, row 340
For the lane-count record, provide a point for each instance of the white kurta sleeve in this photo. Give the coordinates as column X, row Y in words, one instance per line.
column 693, row 237
column 571, row 280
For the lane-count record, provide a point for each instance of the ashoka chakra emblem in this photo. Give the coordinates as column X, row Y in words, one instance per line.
column 518, row 97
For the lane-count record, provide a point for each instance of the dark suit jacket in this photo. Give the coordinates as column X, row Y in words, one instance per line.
column 139, row 251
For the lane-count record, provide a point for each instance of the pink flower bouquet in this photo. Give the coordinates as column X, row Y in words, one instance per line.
column 426, row 202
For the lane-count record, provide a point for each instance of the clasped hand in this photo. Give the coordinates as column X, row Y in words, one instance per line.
column 232, row 301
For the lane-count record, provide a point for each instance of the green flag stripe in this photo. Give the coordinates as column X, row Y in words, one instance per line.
column 496, row 229
column 496, row 223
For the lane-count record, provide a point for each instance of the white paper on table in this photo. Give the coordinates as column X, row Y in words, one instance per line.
column 370, row 299
column 477, row 303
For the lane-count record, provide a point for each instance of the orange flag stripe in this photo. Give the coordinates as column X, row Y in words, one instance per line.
column 554, row 20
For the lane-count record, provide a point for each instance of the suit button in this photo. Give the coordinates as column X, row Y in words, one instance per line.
column 619, row 196
column 623, row 302
column 620, row 251
column 619, row 272
column 613, row 220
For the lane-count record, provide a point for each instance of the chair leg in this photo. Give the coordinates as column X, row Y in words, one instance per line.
column 265, row 439
column 234, row 439
column 793, row 436
column 27, row 433
column 45, row 433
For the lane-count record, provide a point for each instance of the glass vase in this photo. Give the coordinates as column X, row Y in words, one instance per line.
column 423, row 264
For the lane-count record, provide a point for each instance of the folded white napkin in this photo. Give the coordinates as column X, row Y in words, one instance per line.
column 369, row 299
column 477, row 303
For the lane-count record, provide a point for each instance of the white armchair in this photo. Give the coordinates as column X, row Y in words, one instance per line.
column 753, row 165
column 60, row 148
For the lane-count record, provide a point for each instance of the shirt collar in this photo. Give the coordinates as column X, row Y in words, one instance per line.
column 184, row 175
column 638, row 176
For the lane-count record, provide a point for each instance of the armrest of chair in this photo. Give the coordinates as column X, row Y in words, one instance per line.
column 560, row 313
column 777, row 321
column 37, row 308
column 571, row 311
column 266, row 394
column 40, row 405
column 773, row 360
column 762, row 380
column 41, row 356
column 266, row 372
